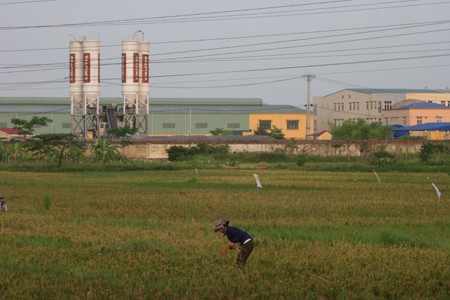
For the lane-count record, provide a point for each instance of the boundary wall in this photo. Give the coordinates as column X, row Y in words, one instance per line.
column 156, row 150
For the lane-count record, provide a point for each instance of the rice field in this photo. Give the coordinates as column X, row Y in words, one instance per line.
column 150, row 235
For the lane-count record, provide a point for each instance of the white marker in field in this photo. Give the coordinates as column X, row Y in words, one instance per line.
column 438, row 192
column 376, row 175
column 258, row 183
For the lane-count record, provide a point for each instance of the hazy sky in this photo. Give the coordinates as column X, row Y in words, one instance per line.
column 231, row 49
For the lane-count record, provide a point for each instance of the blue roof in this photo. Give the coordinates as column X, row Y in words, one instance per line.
column 424, row 105
column 441, row 126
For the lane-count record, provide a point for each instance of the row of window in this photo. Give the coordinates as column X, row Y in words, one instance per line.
column 263, row 124
column 370, row 105
column 419, row 120
column 290, row 124
column 338, row 122
column 201, row 125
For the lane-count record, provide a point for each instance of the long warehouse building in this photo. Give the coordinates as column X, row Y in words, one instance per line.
column 177, row 116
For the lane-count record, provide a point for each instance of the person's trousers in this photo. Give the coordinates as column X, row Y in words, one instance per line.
column 244, row 252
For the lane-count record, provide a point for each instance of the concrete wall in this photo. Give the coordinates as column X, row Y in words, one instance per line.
column 155, row 151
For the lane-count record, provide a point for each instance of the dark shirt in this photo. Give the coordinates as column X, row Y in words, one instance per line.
column 235, row 235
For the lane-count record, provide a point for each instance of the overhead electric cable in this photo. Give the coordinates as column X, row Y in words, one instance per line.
column 132, row 21
column 25, row 2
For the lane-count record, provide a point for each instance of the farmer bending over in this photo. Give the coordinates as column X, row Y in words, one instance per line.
column 236, row 236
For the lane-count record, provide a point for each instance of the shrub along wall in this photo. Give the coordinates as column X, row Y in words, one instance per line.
column 157, row 149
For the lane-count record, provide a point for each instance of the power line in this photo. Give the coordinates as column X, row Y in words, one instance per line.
column 26, row 2
column 130, row 20
column 201, row 16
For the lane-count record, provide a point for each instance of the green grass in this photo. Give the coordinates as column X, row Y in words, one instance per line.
column 149, row 235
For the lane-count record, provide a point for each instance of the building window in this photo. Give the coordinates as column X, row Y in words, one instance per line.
column 448, row 103
column 168, row 125
column 404, row 121
column 387, row 104
column 66, row 125
column 439, row 119
column 233, row 125
column 265, row 124
column 419, row 120
column 201, row 125
column 338, row 122
column 443, row 102
column 292, row 124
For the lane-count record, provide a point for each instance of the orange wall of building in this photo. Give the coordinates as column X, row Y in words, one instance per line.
column 280, row 121
column 429, row 115
column 435, row 97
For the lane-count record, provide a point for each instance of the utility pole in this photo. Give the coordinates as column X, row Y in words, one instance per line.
column 308, row 77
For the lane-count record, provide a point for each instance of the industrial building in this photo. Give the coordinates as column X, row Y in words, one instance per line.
column 168, row 116
column 368, row 104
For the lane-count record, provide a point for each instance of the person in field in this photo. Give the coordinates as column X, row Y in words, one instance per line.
column 237, row 238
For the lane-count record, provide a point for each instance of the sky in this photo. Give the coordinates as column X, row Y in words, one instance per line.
column 231, row 49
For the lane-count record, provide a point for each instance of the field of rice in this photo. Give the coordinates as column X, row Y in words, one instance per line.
column 150, row 235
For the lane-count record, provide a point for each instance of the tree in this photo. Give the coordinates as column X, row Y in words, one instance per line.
column 124, row 133
column 274, row 132
column 27, row 127
column 221, row 132
column 102, row 150
column 56, row 145
column 360, row 130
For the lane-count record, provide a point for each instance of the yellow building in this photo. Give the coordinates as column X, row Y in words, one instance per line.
column 6, row 133
column 293, row 125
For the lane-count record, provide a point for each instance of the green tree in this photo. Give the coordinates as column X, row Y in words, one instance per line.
column 221, row 132
column 102, row 150
column 125, row 134
column 360, row 130
column 27, row 127
column 56, row 146
column 274, row 132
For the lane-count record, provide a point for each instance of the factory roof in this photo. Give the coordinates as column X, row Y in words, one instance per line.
column 157, row 105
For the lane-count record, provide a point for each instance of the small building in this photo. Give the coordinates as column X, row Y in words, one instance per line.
column 323, row 135
column 7, row 133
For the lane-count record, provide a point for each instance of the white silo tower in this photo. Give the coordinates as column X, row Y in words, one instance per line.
column 76, row 73
column 85, row 87
column 130, row 73
column 144, row 70
column 91, row 72
column 135, row 80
